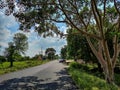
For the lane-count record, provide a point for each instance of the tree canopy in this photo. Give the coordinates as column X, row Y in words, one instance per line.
column 20, row 42
column 17, row 47
column 63, row 52
column 50, row 53
column 78, row 47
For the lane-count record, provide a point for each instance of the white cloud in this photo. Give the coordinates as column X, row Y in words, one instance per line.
column 3, row 44
column 36, row 45
column 5, row 23
column 8, row 28
column 5, row 34
column 64, row 29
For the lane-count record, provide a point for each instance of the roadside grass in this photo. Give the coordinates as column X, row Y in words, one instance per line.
column 90, row 81
column 4, row 67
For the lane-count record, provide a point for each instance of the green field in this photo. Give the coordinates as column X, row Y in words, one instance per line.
column 4, row 67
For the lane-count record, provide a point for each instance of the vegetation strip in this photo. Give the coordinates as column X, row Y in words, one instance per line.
column 86, row 81
column 4, row 68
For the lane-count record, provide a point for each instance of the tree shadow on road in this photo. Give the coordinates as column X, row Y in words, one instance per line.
column 63, row 82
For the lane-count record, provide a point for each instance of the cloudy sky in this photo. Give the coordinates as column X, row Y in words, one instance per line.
column 8, row 27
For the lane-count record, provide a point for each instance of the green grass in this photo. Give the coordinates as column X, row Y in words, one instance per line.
column 87, row 81
column 4, row 68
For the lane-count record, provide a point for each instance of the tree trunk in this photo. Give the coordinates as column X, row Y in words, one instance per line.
column 11, row 63
column 109, row 74
column 11, row 60
column 102, row 54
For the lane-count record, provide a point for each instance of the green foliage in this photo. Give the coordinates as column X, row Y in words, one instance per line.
column 78, row 14
column 50, row 53
column 75, row 65
column 34, row 14
column 92, row 69
column 77, row 46
column 2, row 59
column 83, row 67
column 86, row 81
column 20, row 43
column 16, row 48
column 117, row 79
column 64, row 52
column 17, row 57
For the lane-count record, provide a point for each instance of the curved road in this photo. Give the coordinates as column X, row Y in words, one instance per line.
column 49, row 76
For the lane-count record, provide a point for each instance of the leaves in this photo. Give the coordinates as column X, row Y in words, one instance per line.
column 50, row 53
column 20, row 41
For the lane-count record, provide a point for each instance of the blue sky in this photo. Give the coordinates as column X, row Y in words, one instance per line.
column 9, row 26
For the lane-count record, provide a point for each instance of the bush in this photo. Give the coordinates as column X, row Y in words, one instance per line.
column 2, row 59
column 75, row 65
column 117, row 79
column 85, row 67
column 89, row 68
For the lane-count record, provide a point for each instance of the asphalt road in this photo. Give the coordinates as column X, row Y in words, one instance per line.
column 49, row 76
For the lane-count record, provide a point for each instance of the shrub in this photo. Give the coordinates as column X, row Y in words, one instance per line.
column 86, row 67
column 75, row 65
column 117, row 79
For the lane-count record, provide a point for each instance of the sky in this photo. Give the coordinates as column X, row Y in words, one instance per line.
column 9, row 26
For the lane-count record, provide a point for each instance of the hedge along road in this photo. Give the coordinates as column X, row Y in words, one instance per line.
column 49, row 76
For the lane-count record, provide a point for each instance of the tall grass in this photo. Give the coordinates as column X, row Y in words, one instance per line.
column 87, row 81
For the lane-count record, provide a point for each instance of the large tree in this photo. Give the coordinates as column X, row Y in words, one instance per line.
column 77, row 46
column 50, row 53
column 9, row 52
column 73, row 42
column 20, row 41
column 63, row 52
column 97, row 19
column 18, row 46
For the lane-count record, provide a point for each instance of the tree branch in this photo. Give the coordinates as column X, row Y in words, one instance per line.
column 81, row 20
column 71, row 22
column 104, row 10
column 115, row 43
column 115, row 4
column 94, row 13
column 98, row 53
column 97, row 14
column 58, row 21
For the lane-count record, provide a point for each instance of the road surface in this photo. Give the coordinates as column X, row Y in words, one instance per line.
column 49, row 76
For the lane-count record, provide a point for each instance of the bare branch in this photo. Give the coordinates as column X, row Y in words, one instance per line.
column 58, row 21
column 98, row 54
column 104, row 10
column 94, row 13
column 81, row 20
column 115, row 4
column 72, row 24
